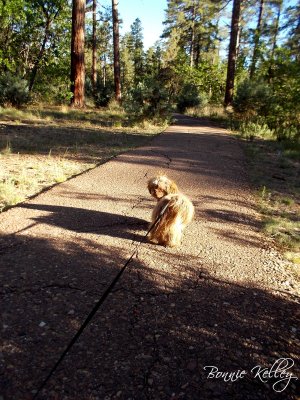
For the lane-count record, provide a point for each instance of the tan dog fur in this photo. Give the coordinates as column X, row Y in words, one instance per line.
column 179, row 212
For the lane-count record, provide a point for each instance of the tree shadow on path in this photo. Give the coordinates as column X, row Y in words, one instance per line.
column 147, row 341
column 81, row 220
column 167, row 318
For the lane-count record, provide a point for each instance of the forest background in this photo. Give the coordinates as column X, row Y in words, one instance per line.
column 185, row 68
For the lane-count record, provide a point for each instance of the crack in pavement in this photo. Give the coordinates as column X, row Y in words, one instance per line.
column 173, row 312
column 163, row 155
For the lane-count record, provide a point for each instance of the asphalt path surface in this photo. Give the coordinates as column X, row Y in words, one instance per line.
column 180, row 320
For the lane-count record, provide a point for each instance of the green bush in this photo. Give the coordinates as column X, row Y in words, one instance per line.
column 63, row 95
column 253, row 98
column 147, row 100
column 134, row 100
column 249, row 130
column 13, row 90
column 190, row 96
column 267, row 108
column 103, row 94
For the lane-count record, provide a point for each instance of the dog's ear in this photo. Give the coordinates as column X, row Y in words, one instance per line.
column 173, row 188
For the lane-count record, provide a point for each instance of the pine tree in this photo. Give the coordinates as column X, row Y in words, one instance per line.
column 257, row 38
column 116, row 44
column 293, row 24
column 77, row 54
column 232, row 53
column 193, row 24
column 94, row 47
column 127, row 66
column 274, row 30
column 137, row 47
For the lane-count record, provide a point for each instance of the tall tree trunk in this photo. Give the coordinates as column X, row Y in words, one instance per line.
column 296, row 46
column 116, row 40
column 94, row 56
column 232, row 54
column 192, row 46
column 257, row 35
column 276, row 29
column 77, row 54
column 104, row 71
column 274, row 41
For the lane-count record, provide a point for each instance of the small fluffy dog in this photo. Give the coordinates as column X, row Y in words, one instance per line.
column 176, row 209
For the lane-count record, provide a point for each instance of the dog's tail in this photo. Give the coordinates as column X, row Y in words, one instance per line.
column 181, row 204
column 171, row 214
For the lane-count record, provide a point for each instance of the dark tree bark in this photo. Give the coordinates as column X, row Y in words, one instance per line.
column 274, row 42
column 276, row 29
column 116, row 40
column 257, row 35
column 232, row 54
column 94, row 56
column 77, row 54
column 192, row 46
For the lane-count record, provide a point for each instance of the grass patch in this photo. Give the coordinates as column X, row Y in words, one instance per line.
column 7, row 149
column 285, row 231
column 43, row 146
column 24, row 176
column 9, row 196
column 276, row 171
column 287, row 201
column 213, row 113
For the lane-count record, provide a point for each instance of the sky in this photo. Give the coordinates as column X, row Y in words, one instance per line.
column 150, row 12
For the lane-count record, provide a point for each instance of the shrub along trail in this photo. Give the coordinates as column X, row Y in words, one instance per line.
column 224, row 299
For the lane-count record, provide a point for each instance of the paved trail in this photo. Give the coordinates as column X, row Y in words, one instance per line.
column 223, row 299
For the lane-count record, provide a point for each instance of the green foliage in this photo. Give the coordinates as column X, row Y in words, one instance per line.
column 12, row 18
column 35, row 41
column 52, row 84
column 104, row 94
column 199, row 86
column 13, row 90
column 188, row 68
column 249, row 130
column 147, row 99
column 275, row 104
column 192, row 27
column 137, row 48
column 190, row 97
column 284, row 116
column 63, row 96
column 252, row 98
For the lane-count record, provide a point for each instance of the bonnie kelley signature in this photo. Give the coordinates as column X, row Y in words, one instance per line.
column 279, row 372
